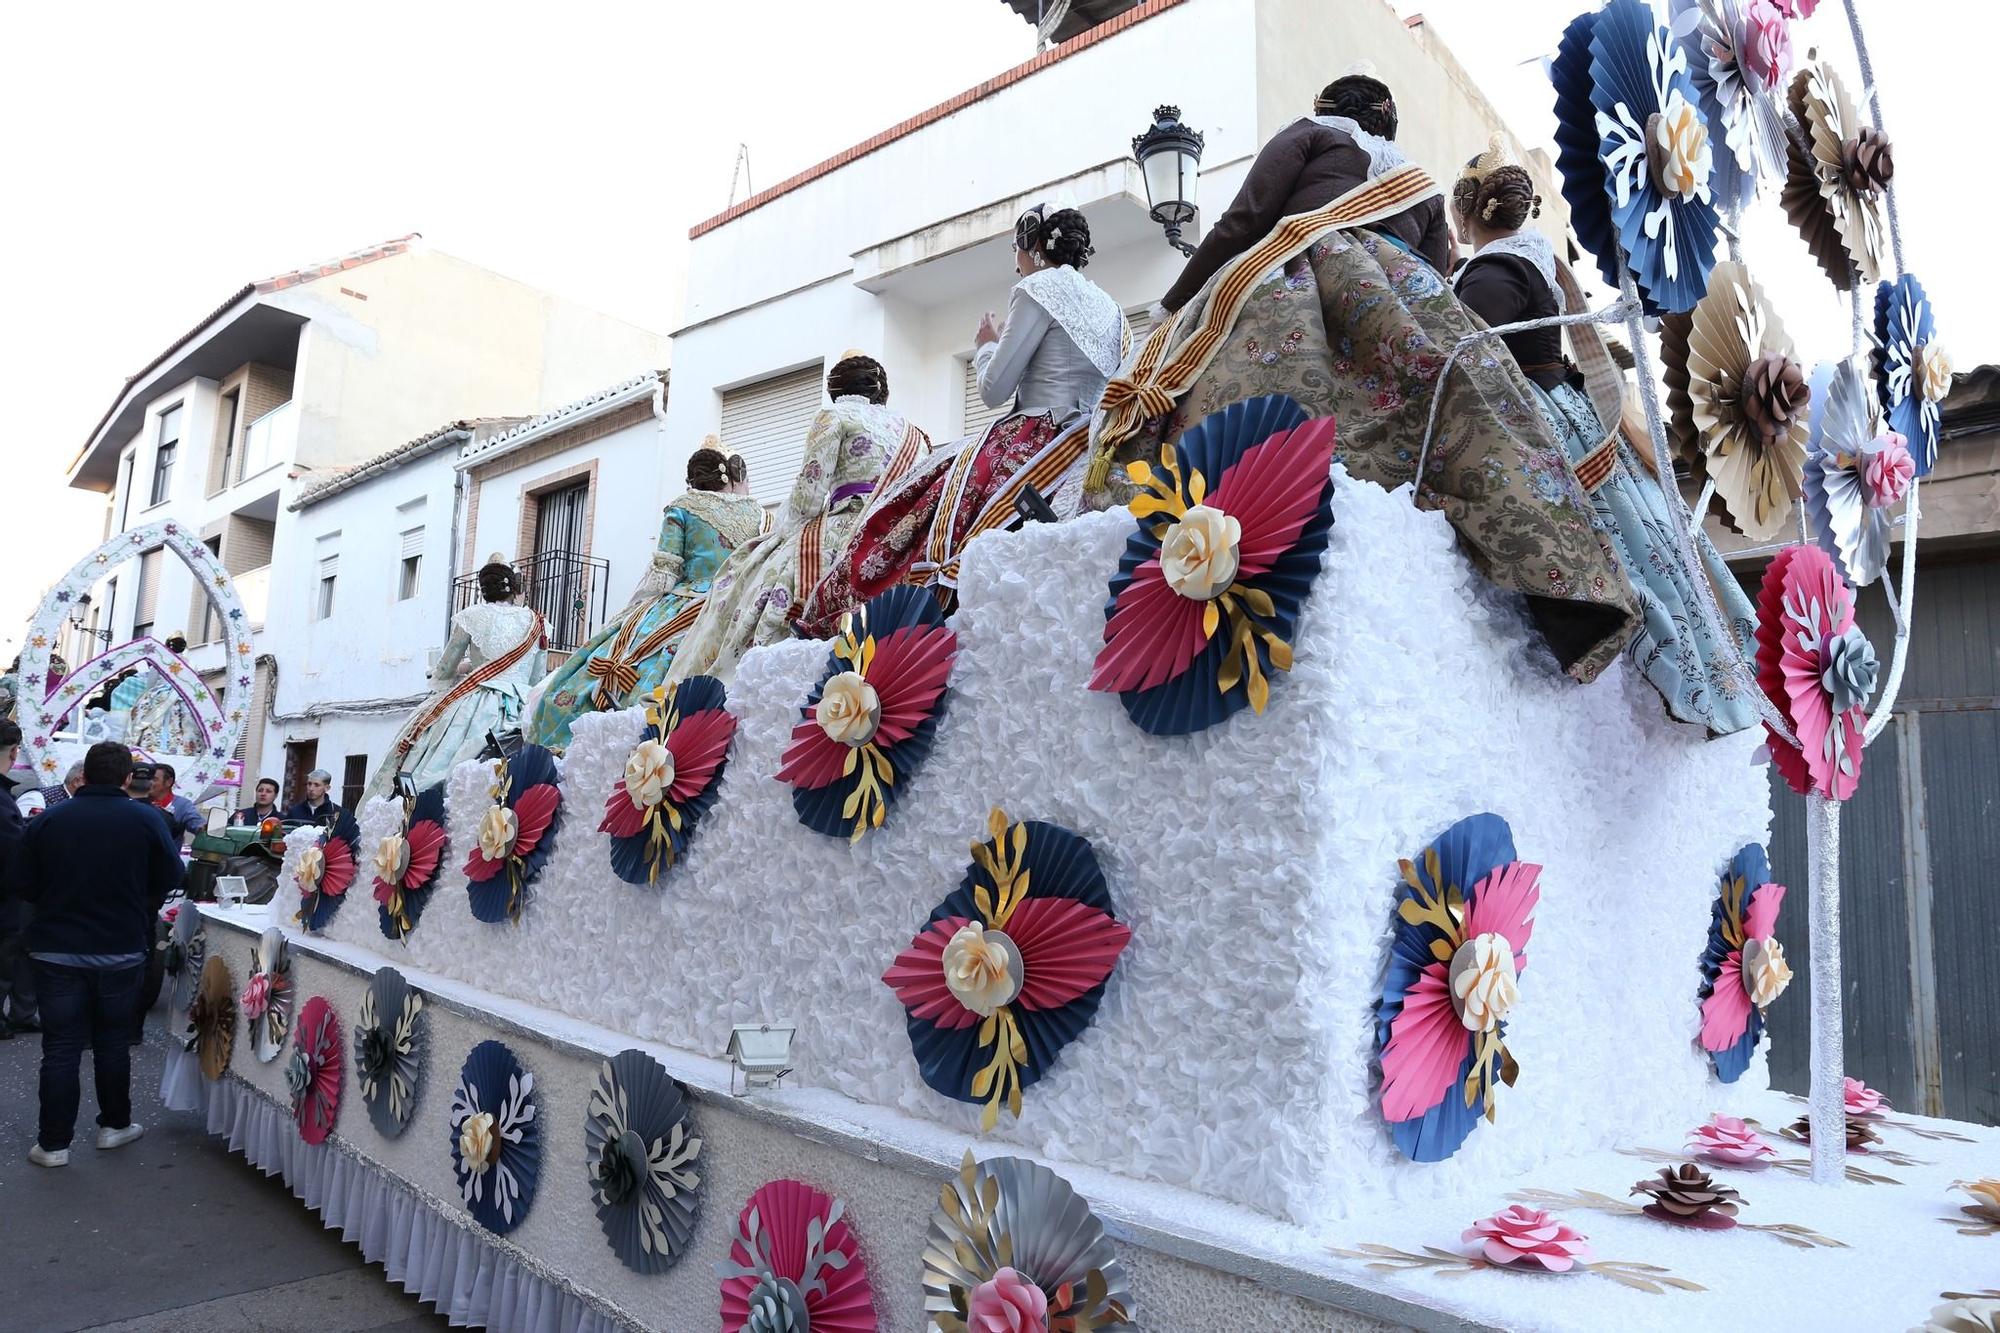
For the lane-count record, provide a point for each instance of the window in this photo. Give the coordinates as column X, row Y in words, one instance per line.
column 766, row 423
column 353, row 781
column 223, row 458
column 204, row 613
column 124, row 490
column 409, row 578
column 149, row 594
column 301, row 758
column 974, row 414
column 163, row 455
column 328, row 552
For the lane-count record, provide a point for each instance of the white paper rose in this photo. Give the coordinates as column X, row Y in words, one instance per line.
column 982, row 968
column 1765, row 971
column 392, row 858
column 1484, row 985
column 498, row 830
column 1933, row 372
column 475, row 1141
column 1199, row 553
column 1680, row 149
column 312, row 864
column 648, row 773
column 848, row 710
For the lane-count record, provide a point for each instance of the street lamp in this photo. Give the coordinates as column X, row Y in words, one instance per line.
column 76, row 621
column 1170, row 159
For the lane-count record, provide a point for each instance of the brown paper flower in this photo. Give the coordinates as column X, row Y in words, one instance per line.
column 1774, row 395
column 1688, row 1194
column 1860, row 1134
column 1834, row 180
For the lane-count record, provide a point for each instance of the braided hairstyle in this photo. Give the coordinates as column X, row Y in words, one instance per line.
column 708, row 469
column 1364, row 100
column 736, row 468
column 1061, row 237
column 1502, row 199
column 861, row 375
column 498, row 581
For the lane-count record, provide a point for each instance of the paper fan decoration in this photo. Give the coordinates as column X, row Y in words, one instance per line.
column 670, row 779
column 496, row 1146
column 187, row 951
column 1011, row 966
column 407, row 863
column 1818, row 669
column 267, row 996
column 326, row 872
column 211, row 1025
column 1854, row 475
column 1743, row 969
column 1232, row 525
column 868, row 723
column 314, row 1073
column 1740, row 401
column 1912, row 369
column 1837, row 178
column 389, row 1051
column 1739, row 52
column 1652, row 158
column 640, row 1151
column 794, row 1265
column 1012, row 1246
column 516, row 834
column 1464, row 914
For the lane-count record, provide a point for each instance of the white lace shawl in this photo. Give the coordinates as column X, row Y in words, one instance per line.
column 1083, row 310
column 1383, row 155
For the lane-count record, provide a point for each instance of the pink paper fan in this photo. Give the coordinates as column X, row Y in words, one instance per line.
column 785, row 1210
column 699, row 745
column 478, row 869
column 337, row 870
column 1272, row 491
column 318, row 1038
column 917, row 977
column 911, row 668
column 534, row 810
column 1426, row 1048
column 813, row 759
column 1067, row 947
column 1801, row 604
column 1726, row 1012
column 1153, row 636
column 1504, row 904
column 426, row 842
column 622, row 819
column 1761, row 921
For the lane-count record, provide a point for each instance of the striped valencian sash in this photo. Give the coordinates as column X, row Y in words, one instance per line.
column 617, row 672
column 483, row 674
column 1042, row 471
column 1603, row 382
column 812, row 541
column 1157, row 380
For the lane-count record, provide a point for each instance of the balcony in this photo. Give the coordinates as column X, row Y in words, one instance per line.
column 271, row 439
column 253, row 589
column 567, row 588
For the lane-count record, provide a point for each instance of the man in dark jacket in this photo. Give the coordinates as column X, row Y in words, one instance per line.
column 97, row 868
column 317, row 808
column 17, row 974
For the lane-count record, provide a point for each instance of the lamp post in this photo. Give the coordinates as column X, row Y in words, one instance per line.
column 76, row 621
column 1169, row 157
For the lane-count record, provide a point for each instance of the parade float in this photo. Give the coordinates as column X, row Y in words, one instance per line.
column 1247, row 941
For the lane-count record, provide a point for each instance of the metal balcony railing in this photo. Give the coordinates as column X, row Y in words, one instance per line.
column 568, row 589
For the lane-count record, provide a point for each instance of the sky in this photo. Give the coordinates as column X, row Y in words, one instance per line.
column 161, row 156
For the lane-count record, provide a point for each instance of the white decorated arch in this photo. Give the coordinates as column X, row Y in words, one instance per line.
column 41, row 710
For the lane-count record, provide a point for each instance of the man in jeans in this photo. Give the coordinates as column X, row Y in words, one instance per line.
column 17, row 976
column 97, row 868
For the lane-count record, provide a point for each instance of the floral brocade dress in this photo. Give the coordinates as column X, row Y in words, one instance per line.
column 628, row 658
column 480, row 634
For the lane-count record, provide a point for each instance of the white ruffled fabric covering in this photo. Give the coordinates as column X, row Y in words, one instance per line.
column 1256, row 864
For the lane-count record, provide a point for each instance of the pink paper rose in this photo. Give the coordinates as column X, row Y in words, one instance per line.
column 1798, row 9
column 1726, row 1139
column 1889, row 472
column 1007, row 1303
column 1767, row 42
column 1529, row 1236
column 257, row 996
column 1863, row 1100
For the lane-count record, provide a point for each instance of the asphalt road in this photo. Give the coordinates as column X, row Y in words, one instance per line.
column 172, row 1232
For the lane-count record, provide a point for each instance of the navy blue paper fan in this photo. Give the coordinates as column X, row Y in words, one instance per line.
column 318, row 909
column 632, row 857
column 1190, row 702
column 492, row 1082
column 1583, row 185
column 501, row 898
column 642, row 1161
column 1904, row 323
column 429, row 805
column 1753, row 868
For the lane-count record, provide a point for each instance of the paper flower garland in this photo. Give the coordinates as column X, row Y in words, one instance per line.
column 211, row 1026
column 407, row 863
column 1743, row 969
column 1232, row 525
column 516, row 834
column 388, row 1051
column 496, row 1146
column 1738, row 56
column 267, row 996
column 1012, row 1246
column 1464, row 914
column 1912, row 369
column 1010, row 967
column 1854, row 474
column 1818, row 669
column 1630, row 129
column 669, row 781
column 1837, row 179
column 187, row 952
column 639, row 1156
column 794, row 1265
column 325, row 873
column 868, row 723
column 314, row 1073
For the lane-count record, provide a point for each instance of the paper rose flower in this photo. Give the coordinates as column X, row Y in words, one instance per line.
column 1743, row 967
column 1853, row 475
column 1462, row 906
column 1968, row 1314
column 496, row 1145
column 1730, row 1141
column 1862, row 1100
column 1529, row 1237
column 388, row 1051
column 316, row 1052
column 670, row 779
column 256, row 996
column 1836, row 179
column 516, row 834
column 1232, row 525
column 407, row 863
column 267, row 996
column 1636, row 154
column 1912, row 373
column 1013, row 1246
column 1981, row 1217
column 1814, row 671
column 1731, row 63
column 640, row 1153
column 989, row 1013
column 868, row 724
column 325, row 872
column 1767, row 42
column 794, row 1265
column 1688, row 1196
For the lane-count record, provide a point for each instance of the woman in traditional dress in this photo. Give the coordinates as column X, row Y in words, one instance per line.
column 629, row 657
column 1514, row 277
column 1062, row 340
column 161, row 722
column 1335, row 307
column 498, row 643
column 853, row 446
